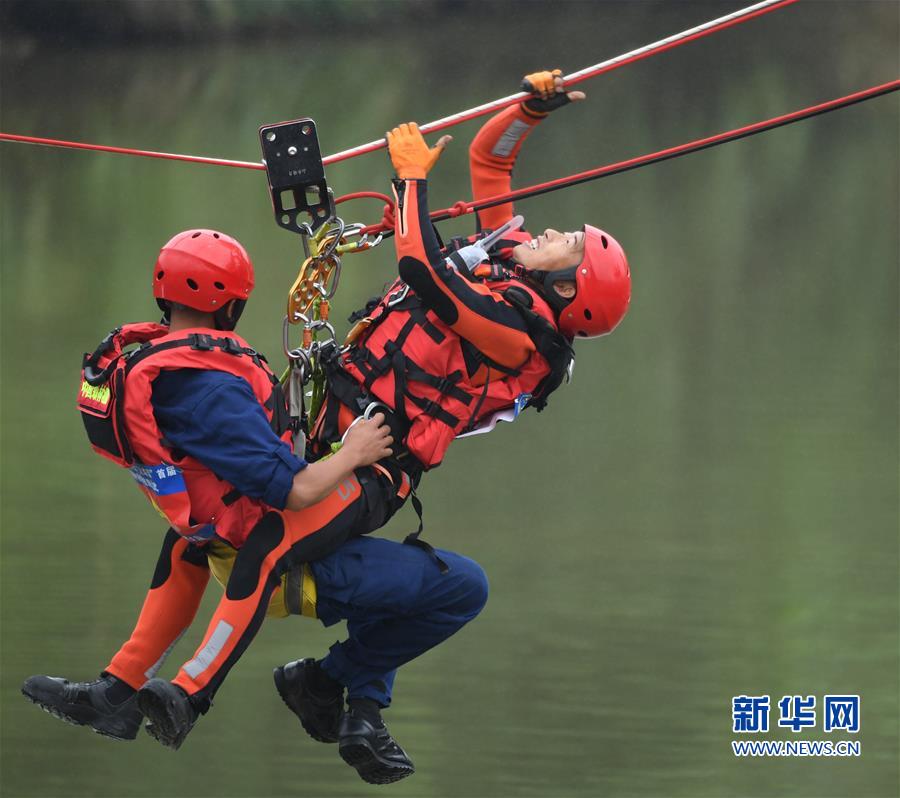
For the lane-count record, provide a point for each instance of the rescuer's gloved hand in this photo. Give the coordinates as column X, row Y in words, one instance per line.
column 472, row 255
column 410, row 155
column 549, row 92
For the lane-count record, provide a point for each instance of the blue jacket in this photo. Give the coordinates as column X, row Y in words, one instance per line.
column 215, row 418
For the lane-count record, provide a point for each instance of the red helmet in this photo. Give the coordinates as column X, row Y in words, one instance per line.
column 202, row 269
column 603, row 288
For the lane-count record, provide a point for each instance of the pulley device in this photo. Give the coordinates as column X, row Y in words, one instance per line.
column 304, row 204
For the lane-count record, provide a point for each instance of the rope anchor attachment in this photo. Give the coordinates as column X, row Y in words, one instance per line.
column 304, row 204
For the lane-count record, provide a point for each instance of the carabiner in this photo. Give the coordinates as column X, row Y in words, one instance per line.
column 399, row 296
column 372, row 407
column 318, row 324
column 335, row 276
column 285, row 333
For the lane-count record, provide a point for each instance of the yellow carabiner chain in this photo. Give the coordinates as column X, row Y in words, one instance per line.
column 311, row 283
column 307, row 302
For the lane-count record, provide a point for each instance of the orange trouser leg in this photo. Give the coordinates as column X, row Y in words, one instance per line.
column 277, row 542
column 175, row 593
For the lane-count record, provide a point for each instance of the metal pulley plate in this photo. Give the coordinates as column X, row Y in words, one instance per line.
column 297, row 186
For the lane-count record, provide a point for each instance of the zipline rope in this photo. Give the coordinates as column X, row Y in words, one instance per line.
column 169, row 156
column 661, row 46
column 692, row 34
column 462, row 207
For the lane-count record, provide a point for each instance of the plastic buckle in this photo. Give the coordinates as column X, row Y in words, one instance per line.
column 445, row 384
column 328, row 352
column 201, row 342
column 232, row 347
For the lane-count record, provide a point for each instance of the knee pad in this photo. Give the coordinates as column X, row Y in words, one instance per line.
column 164, row 563
column 261, row 541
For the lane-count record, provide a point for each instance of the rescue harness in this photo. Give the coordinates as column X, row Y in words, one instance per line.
column 115, row 406
column 400, row 301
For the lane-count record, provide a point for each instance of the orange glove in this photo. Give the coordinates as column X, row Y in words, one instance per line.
column 410, row 155
column 543, row 84
column 548, row 92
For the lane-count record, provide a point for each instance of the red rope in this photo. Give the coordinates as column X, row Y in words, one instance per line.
column 363, row 195
column 171, row 156
column 387, row 215
column 692, row 34
column 463, row 207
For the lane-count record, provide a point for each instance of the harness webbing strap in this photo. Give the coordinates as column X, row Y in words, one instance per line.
column 406, row 370
column 473, row 419
column 280, row 418
column 202, row 343
column 413, row 539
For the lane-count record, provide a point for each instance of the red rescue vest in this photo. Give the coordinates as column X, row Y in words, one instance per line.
column 441, row 384
column 118, row 415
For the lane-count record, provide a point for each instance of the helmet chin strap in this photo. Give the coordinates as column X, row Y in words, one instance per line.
column 167, row 311
column 223, row 320
column 545, row 281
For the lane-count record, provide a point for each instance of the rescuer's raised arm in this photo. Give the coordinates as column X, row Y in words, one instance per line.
column 472, row 310
column 494, row 149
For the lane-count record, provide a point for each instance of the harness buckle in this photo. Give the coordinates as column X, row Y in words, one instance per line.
column 444, row 385
column 201, row 342
column 430, row 407
column 232, row 347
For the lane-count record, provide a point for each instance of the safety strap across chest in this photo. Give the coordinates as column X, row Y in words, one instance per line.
column 404, row 368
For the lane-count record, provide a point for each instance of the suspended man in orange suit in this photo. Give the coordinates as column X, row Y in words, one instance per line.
column 467, row 334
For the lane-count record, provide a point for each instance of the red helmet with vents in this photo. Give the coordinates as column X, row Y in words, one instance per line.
column 603, row 288
column 202, row 269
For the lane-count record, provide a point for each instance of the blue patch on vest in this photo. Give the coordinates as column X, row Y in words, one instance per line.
column 521, row 400
column 162, row 479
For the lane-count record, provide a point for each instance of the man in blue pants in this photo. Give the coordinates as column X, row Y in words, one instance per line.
column 397, row 605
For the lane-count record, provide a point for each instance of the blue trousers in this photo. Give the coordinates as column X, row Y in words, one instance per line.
column 397, row 605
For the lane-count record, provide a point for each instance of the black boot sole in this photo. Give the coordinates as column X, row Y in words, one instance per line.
column 112, row 733
column 359, row 754
column 281, row 686
column 161, row 713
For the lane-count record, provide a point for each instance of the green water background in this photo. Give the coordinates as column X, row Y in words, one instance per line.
column 709, row 510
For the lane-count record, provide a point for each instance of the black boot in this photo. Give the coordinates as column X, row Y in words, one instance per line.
column 313, row 696
column 367, row 745
column 170, row 713
column 108, row 705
